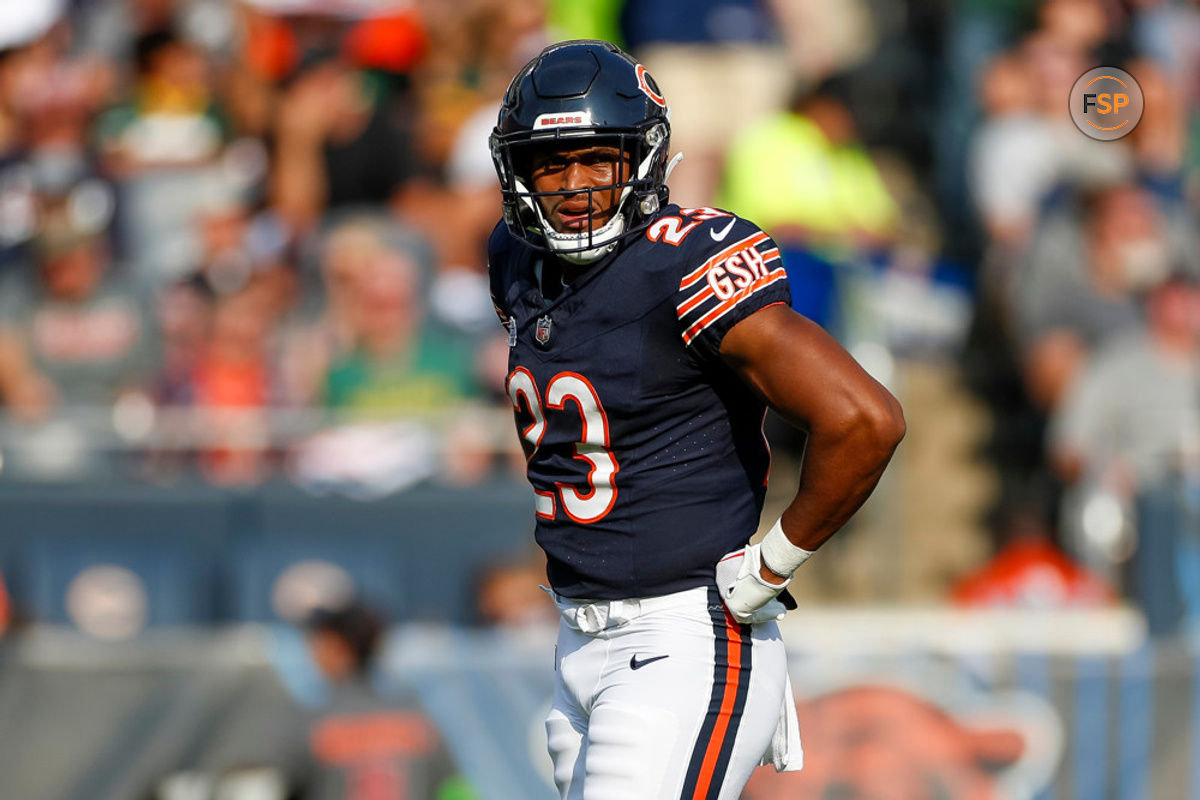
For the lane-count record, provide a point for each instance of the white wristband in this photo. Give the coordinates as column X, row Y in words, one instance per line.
column 779, row 554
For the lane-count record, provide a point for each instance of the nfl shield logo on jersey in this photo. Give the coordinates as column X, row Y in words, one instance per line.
column 542, row 334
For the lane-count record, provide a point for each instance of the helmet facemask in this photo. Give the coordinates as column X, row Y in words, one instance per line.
column 642, row 192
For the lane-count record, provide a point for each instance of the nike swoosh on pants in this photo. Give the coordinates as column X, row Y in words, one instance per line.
column 635, row 664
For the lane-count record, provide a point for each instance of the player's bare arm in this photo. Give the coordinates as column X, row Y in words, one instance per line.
column 853, row 423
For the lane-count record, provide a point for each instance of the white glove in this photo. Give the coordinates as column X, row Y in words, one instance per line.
column 748, row 597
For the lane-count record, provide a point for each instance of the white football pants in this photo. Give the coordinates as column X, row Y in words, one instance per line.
column 662, row 698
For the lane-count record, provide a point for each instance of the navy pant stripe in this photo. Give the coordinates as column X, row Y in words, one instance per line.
column 710, row 759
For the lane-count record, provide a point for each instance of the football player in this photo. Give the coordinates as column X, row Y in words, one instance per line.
column 646, row 342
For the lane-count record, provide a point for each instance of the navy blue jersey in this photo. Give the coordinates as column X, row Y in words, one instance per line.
column 646, row 453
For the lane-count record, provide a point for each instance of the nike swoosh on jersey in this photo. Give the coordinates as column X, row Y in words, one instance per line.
column 724, row 232
column 635, row 664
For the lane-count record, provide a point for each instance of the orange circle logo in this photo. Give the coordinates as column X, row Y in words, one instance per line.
column 648, row 87
column 1106, row 103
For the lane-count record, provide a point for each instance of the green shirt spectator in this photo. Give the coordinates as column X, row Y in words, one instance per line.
column 436, row 372
column 804, row 176
column 585, row 19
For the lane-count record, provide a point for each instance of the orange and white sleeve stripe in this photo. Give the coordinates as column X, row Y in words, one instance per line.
column 726, row 281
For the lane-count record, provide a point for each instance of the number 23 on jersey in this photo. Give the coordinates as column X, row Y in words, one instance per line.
column 592, row 447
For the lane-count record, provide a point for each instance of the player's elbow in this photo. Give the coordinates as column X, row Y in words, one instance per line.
column 889, row 423
column 874, row 425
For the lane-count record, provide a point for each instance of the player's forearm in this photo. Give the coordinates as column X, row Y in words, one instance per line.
column 842, row 464
column 848, row 448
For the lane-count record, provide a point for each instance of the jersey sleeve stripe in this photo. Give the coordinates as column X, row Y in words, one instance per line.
column 730, row 304
column 689, row 305
column 698, row 274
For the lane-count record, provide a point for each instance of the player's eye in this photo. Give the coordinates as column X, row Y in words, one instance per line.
column 606, row 157
column 550, row 164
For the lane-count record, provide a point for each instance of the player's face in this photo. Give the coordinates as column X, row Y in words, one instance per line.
column 568, row 170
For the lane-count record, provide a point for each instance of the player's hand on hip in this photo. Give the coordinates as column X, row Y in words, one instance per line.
column 749, row 598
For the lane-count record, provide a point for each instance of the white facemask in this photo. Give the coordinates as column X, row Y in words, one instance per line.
column 603, row 240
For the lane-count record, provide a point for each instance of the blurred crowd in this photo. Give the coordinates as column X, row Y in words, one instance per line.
column 246, row 238
column 1086, row 336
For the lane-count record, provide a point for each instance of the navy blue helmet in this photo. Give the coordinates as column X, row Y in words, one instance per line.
column 591, row 91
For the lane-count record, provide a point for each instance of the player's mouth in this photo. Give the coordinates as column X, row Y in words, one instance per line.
column 576, row 217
